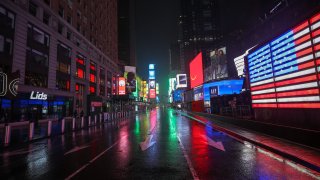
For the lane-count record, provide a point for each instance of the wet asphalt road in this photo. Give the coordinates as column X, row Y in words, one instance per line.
column 180, row 148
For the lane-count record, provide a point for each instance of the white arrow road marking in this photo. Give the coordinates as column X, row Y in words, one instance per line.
column 147, row 143
column 217, row 145
column 77, row 148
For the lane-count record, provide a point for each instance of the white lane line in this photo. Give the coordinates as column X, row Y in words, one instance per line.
column 92, row 160
column 191, row 168
column 76, row 149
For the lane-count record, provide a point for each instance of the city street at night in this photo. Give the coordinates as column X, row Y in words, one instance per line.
column 159, row 144
column 160, row 89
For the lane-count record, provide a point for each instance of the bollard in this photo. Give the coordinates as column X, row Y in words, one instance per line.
column 73, row 124
column 62, row 125
column 7, row 135
column 49, row 127
column 89, row 121
column 95, row 119
column 82, row 122
column 31, row 130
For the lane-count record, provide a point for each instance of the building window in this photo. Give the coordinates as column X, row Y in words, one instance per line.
column 92, row 78
column 80, row 73
column 46, row 18
column 33, row 8
column 37, row 57
column 1, row 43
column 68, row 35
column 63, row 84
column 8, row 46
column 80, row 61
column 60, row 28
column 61, row 11
column 63, row 67
column 35, row 79
column 69, row 19
column 92, row 66
column 78, row 27
column 38, row 35
column 47, row 2
column 92, row 89
column 12, row 18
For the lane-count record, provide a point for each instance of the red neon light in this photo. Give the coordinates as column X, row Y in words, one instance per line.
column 305, row 65
column 303, row 39
column 196, row 71
column 297, row 80
column 304, row 52
column 80, row 73
column 265, row 96
column 300, row 105
column 77, row 87
column 300, row 27
column 315, row 18
column 298, row 93
column 317, row 47
column 316, row 33
column 264, row 105
column 262, row 87
column 92, row 67
column 92, row 78
column 92, row 89
column 80, row 61
column 318, row 61
column 68, row 85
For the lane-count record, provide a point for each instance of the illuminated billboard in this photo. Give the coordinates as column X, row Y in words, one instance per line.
column 196, row 71
column 198, row 93
column 152, row 93
column 152, row 74
column 121, row 86
column 130, row 75
column 217, row 67
column 284, row 72
column 157, row 88
column 181, row 80
column 152, row 84
column 151, row 66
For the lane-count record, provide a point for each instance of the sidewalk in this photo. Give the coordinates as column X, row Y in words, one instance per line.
column 301, row 154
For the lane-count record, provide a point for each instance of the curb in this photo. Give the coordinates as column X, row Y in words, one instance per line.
column 269, row 148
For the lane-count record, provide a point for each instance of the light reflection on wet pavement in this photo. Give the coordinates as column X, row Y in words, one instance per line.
column 112, row 152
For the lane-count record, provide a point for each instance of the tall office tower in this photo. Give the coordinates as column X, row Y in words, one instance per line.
column 199, row 28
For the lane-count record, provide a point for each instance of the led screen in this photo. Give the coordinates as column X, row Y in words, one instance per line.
column 177, row 95
column 121, row 86
column 152, row 84
column 283, row 73
column 151, row 66
column 220, row 88
column 152, row 93
column 198, row 93
column 151, row 74
column 196, row 71
column 181, row 80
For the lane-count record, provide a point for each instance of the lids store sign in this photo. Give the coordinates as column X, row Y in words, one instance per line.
column 38, row 96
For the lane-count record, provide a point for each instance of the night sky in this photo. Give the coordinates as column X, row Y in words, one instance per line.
column 156, row 28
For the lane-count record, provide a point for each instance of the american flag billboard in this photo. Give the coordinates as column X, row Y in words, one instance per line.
column 284, row 73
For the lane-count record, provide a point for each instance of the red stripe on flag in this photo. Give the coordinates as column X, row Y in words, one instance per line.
column 304, row 52
column 298, row 93
column 317, row 47
column 300, row 105
column 264, row 105
column 316, row 33
column 318, row 61
column 315, row 18
column 303, row 39
column 305, row 65
column 264, row 96
column 266, row 86
column 296, row 80
column 300, row 27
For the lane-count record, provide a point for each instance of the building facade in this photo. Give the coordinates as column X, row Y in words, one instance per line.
column 65, row 51
column 199, row 29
